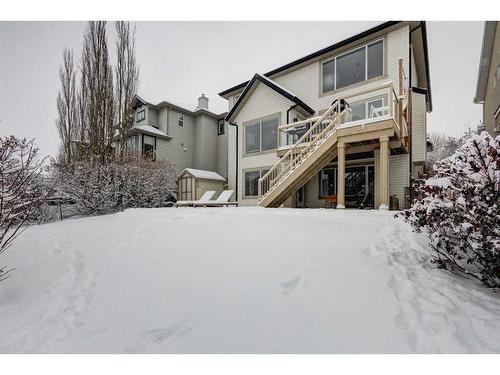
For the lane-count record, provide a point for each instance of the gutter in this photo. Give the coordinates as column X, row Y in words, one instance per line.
column 237, row 153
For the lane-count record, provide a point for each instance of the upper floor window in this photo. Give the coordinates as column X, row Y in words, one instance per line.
column 141, row 115
column 359, row 65
column 220, row 127
column 261, row 135
column 180, row 119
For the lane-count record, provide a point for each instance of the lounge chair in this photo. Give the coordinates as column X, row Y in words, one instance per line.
column 204, row 199
column 221, row 201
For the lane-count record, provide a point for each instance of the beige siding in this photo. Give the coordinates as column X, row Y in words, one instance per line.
column 398, row 177
column 305, row 83
column 264, row 101
column 419, row 128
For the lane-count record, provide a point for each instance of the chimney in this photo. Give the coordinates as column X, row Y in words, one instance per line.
column 203, row 102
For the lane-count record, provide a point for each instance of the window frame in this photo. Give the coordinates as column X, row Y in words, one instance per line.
column 335, row 181
column 219, row 124
column 180, row 120
column 259, row 121
column 143, row 111
column 143, row 153
column 334, row 58
column 262, row 171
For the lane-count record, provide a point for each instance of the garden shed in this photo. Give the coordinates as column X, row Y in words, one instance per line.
column 193, row 183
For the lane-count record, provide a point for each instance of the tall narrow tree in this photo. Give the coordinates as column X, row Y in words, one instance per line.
column 97, row 92
column 126, row 81
column 67, row 105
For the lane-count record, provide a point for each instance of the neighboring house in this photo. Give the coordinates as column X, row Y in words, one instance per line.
column 287, row 145
column 488, row 81
column 190, row 138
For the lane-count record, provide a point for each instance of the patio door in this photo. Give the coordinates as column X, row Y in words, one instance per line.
column 359, row 186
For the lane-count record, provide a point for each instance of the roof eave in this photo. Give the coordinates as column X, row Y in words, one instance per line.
column 485, row 60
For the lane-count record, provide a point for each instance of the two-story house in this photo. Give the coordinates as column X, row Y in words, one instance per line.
column 346, row 124
column 190, row 138
column 488, row 81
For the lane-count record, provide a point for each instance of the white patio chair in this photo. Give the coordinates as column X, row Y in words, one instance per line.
column 221, row 201
column 203, row 199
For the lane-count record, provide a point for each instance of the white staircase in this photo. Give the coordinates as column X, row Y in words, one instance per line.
column 316, row 148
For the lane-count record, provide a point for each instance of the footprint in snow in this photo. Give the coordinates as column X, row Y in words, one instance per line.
column 291, row 285
column 158, row 336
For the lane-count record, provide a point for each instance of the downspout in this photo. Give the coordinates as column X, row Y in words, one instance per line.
column 237, row 154
column 410, row 87
column 288, row 113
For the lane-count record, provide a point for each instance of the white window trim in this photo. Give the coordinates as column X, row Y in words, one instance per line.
column 334, row 58
column 253, row 122
column 262, row 171
column 180, row 120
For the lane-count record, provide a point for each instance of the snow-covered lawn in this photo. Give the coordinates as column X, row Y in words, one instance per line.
column 238, row 280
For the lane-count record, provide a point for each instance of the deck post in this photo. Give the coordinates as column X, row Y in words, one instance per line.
column 384, row 173
column 341, row 175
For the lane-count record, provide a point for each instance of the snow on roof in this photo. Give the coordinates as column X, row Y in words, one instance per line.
column 205, row 175
column 148, row 129
column 276, row 84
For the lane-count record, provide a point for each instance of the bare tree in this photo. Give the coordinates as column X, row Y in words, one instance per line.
column 20, row 196
column 67, row 105
column 126, row 81
column 96, row 97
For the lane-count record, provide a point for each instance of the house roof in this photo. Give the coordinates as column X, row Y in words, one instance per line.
column 201, row 174
column 273, row 85
column 150, row 130
column 485, row 60
column 341, row 44
column 179, row 107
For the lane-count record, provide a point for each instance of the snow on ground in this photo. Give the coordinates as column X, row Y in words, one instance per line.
column 238, row 280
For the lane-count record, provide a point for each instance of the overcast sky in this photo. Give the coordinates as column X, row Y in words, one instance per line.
column 180, row 60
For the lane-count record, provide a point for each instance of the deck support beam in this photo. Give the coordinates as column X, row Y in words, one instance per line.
column 384, row 173
column 341, row 175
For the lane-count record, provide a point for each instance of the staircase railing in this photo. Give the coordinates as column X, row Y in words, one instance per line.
column 322, row 128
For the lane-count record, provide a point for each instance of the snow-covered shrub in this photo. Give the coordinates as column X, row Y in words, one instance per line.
column 142, row 182
column 20, row 195
column 120, row 184
column 461, row 210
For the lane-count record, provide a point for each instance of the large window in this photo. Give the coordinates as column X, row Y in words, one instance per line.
column 148, row 146
column 252, row 182
column 141, row 115
column 352, row 67
column 261, row 135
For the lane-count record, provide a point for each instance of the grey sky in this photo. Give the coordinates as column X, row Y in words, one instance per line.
column 180, row 60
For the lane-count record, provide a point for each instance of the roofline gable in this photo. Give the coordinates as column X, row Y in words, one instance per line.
column 259, row 78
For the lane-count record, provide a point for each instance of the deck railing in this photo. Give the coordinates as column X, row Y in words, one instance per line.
column 322, row 128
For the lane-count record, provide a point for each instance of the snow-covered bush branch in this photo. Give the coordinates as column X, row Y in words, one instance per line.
column 20, row 196
column 103, row 188
column 461, row 210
